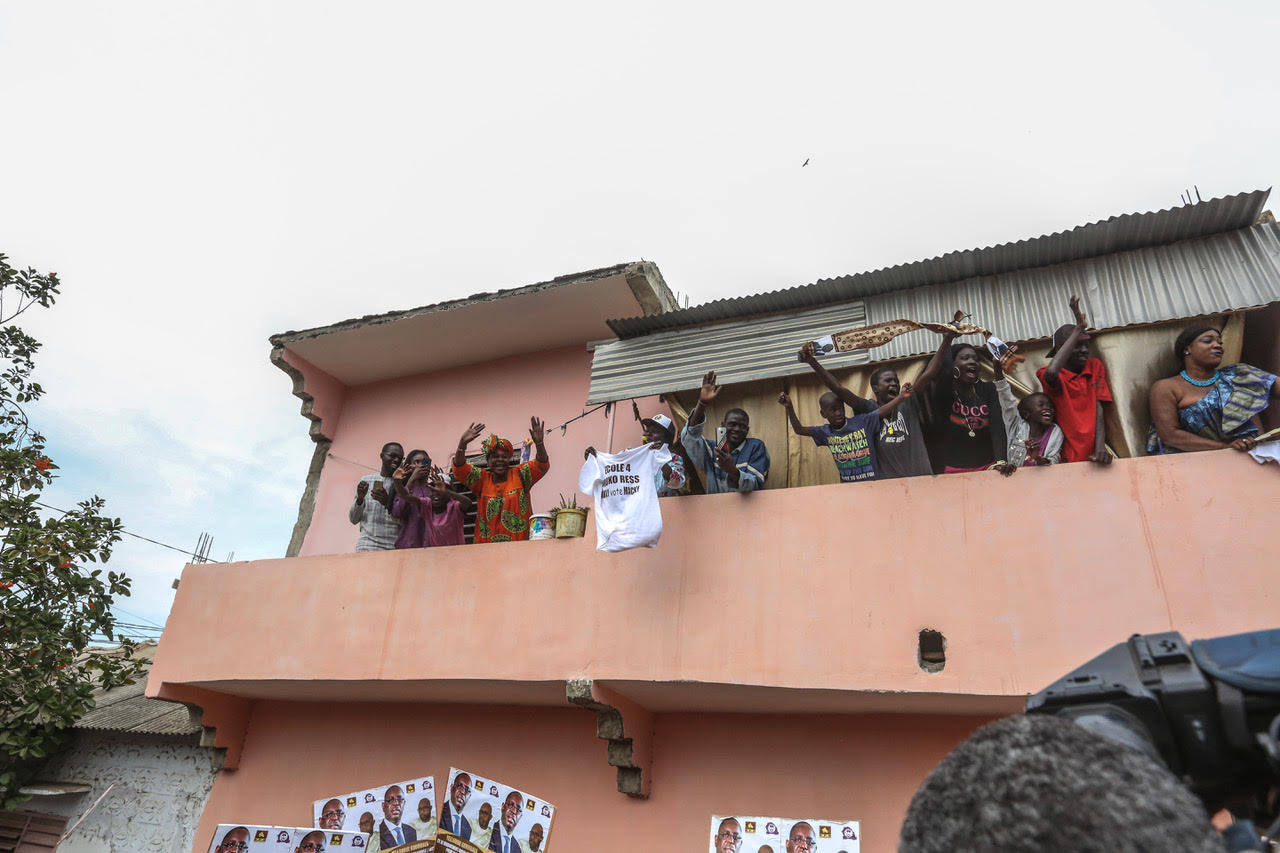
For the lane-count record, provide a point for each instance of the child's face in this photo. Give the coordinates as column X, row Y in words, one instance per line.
column 1079, row 355
column 1038, row 409
column 833, row 412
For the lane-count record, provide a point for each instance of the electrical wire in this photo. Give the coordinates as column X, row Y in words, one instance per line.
column 139, row 536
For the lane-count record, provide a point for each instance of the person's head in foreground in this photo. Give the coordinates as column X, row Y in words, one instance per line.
column 1033, row 784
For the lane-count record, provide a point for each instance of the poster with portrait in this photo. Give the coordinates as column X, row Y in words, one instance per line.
column 479, row 814
column 242, row 838
column 756, row 834
column 399, row 816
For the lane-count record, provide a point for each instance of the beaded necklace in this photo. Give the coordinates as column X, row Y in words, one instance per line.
column 1201, row 383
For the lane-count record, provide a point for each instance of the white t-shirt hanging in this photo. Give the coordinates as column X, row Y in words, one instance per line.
column 626, row 503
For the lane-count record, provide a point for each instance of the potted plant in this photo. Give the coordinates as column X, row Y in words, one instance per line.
column 571, row 519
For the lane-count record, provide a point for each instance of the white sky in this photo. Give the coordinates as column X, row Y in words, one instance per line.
column 203, row 174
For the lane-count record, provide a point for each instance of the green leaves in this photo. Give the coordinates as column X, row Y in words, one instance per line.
column 53, row 604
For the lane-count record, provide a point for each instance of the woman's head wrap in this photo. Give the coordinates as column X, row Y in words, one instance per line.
column 494, row 443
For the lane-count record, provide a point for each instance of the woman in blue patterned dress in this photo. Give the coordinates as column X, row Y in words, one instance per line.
column 1208, row 406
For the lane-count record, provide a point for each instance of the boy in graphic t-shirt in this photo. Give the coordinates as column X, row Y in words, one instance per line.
column 852, row 441
column 1077, row 385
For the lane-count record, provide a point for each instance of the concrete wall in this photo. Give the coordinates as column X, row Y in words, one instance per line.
column 1025, row 577
column 772, row 636
column 854, row 767
column 161, row 785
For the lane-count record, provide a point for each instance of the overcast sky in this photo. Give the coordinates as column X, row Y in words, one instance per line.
column 202, row 175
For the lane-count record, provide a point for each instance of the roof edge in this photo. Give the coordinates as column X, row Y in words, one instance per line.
column 821, row 292
column 631, row 269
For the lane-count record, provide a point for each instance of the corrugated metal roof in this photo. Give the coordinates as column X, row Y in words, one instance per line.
column 1224, row 272
column 739, row 352
column 127, row 709
column 1227, row 271
column 1117, row 234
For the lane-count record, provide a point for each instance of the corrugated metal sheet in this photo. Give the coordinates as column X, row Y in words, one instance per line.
column 1231, row 271
column 127, row 709
column 1227, row 271
column 738, row 352
column 1117, row 234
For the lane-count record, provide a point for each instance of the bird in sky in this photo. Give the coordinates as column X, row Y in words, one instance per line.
column 805, row 163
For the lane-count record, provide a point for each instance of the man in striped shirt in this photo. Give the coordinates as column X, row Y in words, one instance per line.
column 372, row 506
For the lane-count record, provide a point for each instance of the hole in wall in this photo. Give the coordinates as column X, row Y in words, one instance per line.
column 931, row 653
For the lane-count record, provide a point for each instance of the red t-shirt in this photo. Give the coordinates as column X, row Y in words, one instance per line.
column 1077, row 401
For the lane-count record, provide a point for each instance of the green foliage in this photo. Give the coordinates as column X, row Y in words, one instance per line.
column 53, row 596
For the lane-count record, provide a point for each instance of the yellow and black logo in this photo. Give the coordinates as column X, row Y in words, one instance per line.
column 351, row 801
column 335, row 840
column 751, row 826
column 824, row 832
column 260, row 836
column 529, row 806
column 408, row 789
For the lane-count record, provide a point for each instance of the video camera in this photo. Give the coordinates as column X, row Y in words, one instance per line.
column 1209, row 710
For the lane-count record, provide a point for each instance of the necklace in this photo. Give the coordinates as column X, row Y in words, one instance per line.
column 1199, row 383
column 971, row 400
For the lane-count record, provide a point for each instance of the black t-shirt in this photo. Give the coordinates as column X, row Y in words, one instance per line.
column 972, row 426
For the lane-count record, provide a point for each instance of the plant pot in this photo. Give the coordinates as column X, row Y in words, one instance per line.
column 542, row 525
column 571, row 523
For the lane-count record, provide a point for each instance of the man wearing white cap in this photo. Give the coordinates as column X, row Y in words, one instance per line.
column 670, row 479
column 659, row 431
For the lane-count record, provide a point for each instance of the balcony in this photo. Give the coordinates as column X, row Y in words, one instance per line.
column 801, row 600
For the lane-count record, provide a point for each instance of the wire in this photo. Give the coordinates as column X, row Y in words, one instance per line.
column 139, row 536
column 561, row 427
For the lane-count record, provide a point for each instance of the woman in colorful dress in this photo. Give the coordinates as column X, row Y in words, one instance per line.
column 501, row 490
column 1208, row 406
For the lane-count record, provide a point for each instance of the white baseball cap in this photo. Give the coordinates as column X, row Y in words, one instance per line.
column 661, row 420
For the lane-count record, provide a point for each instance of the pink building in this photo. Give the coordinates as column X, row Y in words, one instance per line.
column 766, row 658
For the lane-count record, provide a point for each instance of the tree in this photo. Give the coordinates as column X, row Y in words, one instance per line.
column 53, row 602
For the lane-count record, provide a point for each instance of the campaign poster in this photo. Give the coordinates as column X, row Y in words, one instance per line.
column 248, row 838
column 480, row 814
column 398, row 816
column 755, row 834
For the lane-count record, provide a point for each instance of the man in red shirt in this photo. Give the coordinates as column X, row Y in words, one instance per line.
column 1077, row 385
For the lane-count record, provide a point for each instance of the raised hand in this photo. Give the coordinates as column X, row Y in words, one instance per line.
column 590, row 451
column 724, row 461
column 905, row 392
column 1081, row 320
column 1007, row 362
column 958, row 316
column 710, row 390
column 808, row 353
column 362, row 489
column 784, row 399
column 401, row 474
column 470, row 434
column 536, row 430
